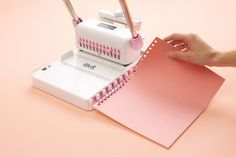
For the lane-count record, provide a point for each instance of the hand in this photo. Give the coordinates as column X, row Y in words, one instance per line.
column 191, row 49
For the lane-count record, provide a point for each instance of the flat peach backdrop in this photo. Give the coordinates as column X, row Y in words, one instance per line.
column 35, row 124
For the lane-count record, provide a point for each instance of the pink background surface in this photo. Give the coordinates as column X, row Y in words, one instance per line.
column 33, row 123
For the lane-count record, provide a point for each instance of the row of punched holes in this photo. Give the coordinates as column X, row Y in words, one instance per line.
column 112, row 88
column 105, row 50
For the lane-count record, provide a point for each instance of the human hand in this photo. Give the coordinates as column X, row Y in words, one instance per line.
column 191, row 49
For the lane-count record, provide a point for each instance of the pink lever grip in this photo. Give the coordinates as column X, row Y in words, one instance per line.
column 137, row 43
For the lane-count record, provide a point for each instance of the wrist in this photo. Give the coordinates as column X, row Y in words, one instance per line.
column 216, row 58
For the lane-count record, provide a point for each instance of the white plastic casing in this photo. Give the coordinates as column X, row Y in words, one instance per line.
column 78, row 77
column 106, row 40
column 118, row 17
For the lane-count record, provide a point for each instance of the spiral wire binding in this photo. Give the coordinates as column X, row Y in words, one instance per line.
column 118, row 83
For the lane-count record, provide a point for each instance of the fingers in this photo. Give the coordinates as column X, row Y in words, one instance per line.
column 175, row 42
column 181, row 47
column 177, row 37
column 183, row 42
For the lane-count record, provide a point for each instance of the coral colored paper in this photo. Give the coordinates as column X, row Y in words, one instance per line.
column 164, row 97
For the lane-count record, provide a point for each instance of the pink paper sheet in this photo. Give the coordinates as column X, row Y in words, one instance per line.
column 164, row 97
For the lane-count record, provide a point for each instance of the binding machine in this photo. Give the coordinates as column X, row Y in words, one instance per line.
column 105, row 57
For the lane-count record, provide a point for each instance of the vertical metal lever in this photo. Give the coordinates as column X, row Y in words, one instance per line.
column 128, row 18
column 136, row 41
column 72, row 11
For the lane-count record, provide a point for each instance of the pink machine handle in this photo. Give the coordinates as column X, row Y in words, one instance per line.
column 137, row 43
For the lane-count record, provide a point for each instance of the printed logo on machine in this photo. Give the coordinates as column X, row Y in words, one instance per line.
column 89, row 66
